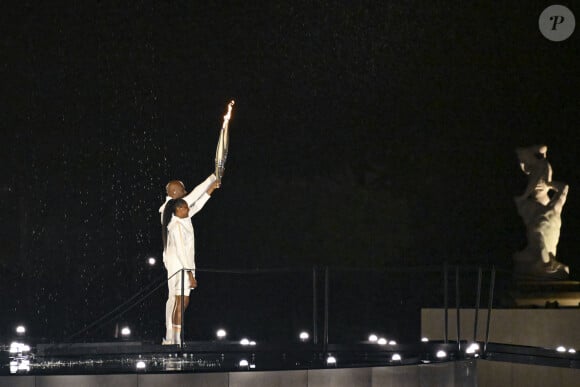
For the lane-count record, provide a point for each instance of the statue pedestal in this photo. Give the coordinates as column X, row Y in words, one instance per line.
column 545, row 294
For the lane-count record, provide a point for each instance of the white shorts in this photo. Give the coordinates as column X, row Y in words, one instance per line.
column 174, row 285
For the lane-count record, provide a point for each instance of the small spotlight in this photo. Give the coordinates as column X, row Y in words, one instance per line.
column 382, row 341
column 244, row 341
column 243, row 363
column 24, row 365
column 396, row 357
column 571, row 350
column 252, row 342
column 221, row 334
column 392, row 342
column 151, row 261
column 21, row 329
column 424, row 339
column 125, row 331
column 304, row 336
column 472, row 348
column 331, row 360
column 373, row 338
column 441, row 354
column 561, row 349
column 16, row 347
column 140, row 365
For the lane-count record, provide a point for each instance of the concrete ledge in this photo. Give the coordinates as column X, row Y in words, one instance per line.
column 544, row 328
column 450, row 374
column 493, row 374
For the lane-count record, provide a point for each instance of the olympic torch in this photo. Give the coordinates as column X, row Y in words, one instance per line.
column 221, row 152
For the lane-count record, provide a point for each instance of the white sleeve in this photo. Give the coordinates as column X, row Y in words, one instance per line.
column 198, row 205
column 198, row 191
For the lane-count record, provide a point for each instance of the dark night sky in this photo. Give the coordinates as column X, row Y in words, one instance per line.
column 378, row 134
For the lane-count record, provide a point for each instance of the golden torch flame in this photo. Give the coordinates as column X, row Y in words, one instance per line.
column 221, row 153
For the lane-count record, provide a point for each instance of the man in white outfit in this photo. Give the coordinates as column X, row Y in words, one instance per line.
column 196, row 199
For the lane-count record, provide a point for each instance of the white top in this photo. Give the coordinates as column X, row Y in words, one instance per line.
column 180, row 250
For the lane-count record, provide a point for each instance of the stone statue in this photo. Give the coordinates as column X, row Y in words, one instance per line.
column 540, row 207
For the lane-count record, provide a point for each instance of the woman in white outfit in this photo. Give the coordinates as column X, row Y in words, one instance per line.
column 179, row 254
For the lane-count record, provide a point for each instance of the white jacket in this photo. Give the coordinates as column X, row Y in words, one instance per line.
column 180, row 250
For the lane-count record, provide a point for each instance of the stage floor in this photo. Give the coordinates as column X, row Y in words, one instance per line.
column 214, row 356
column 224, row 356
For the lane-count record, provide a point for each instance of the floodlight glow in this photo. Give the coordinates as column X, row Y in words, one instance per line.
column 24, row 365
column 373, row 338
column 561, row 349
column 151, row 261
column 16, row 347
column 125, row 331
column 382, row 341
column 244, row 363
column 392, row 342
column 140, row 365
column 21, row 329
column 472, row 348
column 441, row 354
column 221, row 334
column 331, row 360
column 571, row 350
column 396, row 357
column 424, row 339
column 304, row 336
column 245, row 341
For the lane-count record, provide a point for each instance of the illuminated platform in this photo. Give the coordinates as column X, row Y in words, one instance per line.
column 538, row 345
column 221, row 363
column 451, row 374
column 135, row 356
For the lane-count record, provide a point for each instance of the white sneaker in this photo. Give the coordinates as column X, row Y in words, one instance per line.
column 166, row 342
